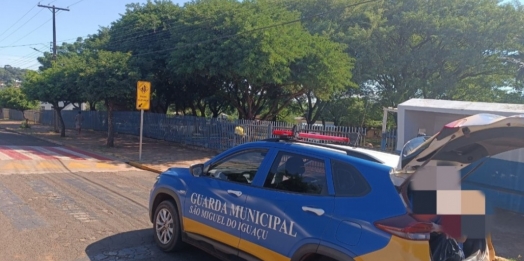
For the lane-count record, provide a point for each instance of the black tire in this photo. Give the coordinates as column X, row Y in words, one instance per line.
column 165, row 242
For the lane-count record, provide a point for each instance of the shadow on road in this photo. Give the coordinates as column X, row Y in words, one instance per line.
column 138, row 245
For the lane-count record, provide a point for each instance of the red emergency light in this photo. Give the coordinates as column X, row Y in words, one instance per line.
column 305, row 135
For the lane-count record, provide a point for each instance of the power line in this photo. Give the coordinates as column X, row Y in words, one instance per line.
column 31, row 57
column 28, row 58
column 31, row 31
column 21, row 45
column 32, row 44
column 18, row 20
column 74, row 3
column 21, row 26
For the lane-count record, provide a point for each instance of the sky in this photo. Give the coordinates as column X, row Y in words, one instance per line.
column 25, row 27
column 22, row 22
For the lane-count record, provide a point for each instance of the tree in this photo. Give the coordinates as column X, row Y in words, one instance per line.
column 10, row 75
column 257, row 54
column 146, row 31
column 429, row 48
column 108, row 76
column 14, row 98
column 57, row 85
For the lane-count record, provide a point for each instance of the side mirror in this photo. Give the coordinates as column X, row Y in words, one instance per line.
column 196, row 169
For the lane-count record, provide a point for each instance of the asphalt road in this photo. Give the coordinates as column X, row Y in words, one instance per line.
column 59, row 204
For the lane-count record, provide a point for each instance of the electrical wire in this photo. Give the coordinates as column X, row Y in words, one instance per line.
column 33, row 44
column 69, row 6
column 32, row 31
column 18, row 20
column 22, row 25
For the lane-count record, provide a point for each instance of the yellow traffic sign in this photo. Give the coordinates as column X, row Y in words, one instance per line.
column 143, row 95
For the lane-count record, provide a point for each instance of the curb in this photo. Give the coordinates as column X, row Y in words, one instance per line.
column 143, row 167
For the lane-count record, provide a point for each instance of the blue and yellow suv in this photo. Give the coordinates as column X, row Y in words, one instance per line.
column 287, row 199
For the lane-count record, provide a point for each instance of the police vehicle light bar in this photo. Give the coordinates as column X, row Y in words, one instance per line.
column 305, row 135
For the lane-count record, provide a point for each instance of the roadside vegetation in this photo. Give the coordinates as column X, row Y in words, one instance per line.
column 327, row 60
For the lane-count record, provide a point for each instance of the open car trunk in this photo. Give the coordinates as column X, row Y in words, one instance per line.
column 459, row 144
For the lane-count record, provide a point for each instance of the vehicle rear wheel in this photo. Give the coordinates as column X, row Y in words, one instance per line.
column 167, row 229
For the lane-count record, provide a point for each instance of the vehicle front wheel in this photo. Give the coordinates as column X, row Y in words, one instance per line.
column 167, row 229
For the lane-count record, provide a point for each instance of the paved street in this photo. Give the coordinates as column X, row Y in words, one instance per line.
column 60, row 203
column 116, row 231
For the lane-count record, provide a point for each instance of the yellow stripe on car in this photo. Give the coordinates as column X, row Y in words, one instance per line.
column 399, row 249
column 258, row 251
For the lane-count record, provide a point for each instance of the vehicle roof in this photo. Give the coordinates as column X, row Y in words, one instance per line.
column 386, row 159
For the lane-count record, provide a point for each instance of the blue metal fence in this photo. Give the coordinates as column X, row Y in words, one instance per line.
column 217, row 134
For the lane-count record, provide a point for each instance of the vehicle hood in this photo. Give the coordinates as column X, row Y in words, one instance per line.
column 463, row 142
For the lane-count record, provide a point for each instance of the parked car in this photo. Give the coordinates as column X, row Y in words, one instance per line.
column 287, row 199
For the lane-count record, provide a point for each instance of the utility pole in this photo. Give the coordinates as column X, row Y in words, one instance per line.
column 54, row 9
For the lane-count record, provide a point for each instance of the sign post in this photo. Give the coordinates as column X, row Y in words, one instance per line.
column 143, row 98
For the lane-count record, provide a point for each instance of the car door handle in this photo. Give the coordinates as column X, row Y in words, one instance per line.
column 235, row 192
column 317, row 211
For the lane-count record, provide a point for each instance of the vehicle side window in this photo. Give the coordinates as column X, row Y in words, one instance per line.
column 297, row 173
column 348, row 181
column 240, row 167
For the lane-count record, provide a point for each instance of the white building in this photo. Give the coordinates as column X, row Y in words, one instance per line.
column 70, row 107
column 430, row 116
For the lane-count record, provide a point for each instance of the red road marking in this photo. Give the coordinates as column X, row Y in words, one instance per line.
column 39, row 153
column 92, row 155
column 13, row 154
column 65, row 153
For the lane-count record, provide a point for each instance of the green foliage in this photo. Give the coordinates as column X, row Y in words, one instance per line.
column 9, row 75
column 256, row 69
column 146, row 30
column 107, row 76
column 14, row 98
column 275, row 60
column 429, row 48
column 57, row 85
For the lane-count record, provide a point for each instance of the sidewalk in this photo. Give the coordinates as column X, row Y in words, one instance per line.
column 156, row 154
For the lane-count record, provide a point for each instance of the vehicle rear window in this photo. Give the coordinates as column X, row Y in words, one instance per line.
column 348, row 181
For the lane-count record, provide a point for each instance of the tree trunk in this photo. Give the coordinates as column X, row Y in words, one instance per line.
column 202, row 109
column 110, row 128
column 193, row 110
column 55, row 118
column 92, row 106
column 61, row 121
